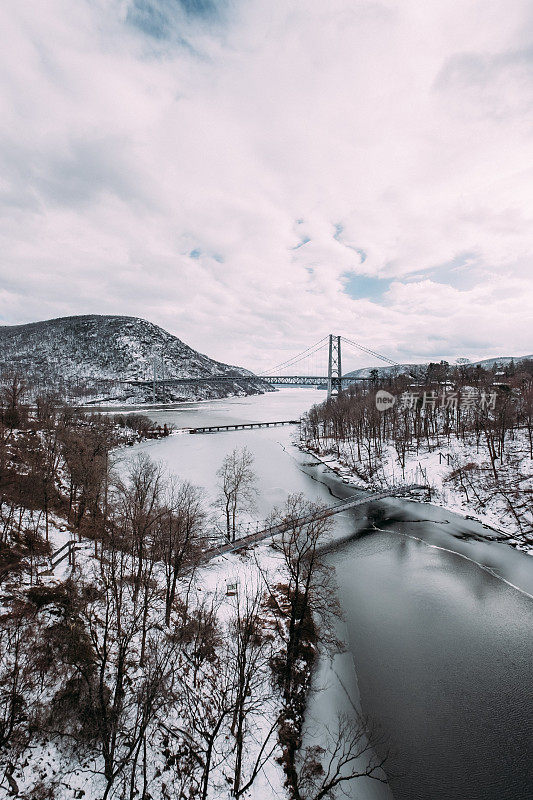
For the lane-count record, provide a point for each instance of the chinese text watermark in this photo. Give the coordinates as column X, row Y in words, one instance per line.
column 467, row 398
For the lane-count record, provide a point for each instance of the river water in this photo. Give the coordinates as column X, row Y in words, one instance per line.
column 438, row 621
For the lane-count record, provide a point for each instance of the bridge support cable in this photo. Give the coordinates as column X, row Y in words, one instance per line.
column 364, row 349
column 335, row 379
column 311, row 350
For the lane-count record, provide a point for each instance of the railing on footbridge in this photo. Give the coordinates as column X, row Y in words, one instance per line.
column 329, row 511
column 241, row 426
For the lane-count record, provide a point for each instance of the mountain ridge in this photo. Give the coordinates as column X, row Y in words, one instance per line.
column 364, row 372
column 81, row 354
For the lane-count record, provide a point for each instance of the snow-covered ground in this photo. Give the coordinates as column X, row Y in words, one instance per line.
column 460, row 478
column 51, row 763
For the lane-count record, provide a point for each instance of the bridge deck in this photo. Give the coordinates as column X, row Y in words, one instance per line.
column 308, row 380
column 243, row 426
column 279, row 380
column 344, row 505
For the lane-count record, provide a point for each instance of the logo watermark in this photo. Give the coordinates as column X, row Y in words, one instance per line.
column 384, row 400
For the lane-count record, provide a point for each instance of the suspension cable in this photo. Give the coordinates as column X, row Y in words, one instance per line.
column 294, row 361
column 314, row 348
column 291, row 361
column 371, row 352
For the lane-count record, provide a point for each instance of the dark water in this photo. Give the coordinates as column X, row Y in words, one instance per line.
column 443, row 652
column 442, row 646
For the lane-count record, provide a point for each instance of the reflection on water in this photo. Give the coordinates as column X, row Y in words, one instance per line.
column 443, row 652
column 442, row 647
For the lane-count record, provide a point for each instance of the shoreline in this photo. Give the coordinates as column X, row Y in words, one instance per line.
column 343, row 472
column 176, row 404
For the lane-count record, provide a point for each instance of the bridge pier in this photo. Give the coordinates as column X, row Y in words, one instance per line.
column 334, row 366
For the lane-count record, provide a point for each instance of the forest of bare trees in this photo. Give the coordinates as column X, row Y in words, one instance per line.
column 483, row 420
column 427, row 414
column 124, row 678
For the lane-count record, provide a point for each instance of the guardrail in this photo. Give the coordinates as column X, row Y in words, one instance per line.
column 56, row 558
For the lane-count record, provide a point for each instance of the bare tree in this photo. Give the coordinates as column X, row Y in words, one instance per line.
column 309, row 589
column 346, row 752
column 527, row 410
column 17, row 678
column 305, row 610
column 140, row 510
column 85, row 450
column 127, row 692
column 14, row 413
column 50, row 465
column 179, row 536
column 237, row 487
column 207, row 705
column 250, row 650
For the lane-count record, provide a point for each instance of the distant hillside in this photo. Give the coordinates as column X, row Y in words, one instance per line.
column 502, row 361
column 487, row 363
column 90, row 357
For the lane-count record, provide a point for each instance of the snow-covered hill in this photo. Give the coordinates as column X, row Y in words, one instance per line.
column 92, row 357
column 502, row 361
column 398, row 369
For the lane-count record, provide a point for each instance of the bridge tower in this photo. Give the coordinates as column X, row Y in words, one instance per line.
column 334, row 366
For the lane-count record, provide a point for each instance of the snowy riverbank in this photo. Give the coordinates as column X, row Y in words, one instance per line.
column 459, row 478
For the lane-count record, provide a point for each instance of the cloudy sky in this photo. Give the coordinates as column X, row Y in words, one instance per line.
column 253, row 174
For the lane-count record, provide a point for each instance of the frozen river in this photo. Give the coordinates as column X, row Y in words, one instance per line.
column 439, row 624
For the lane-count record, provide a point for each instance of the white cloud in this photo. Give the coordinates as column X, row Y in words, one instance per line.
column 238, row 136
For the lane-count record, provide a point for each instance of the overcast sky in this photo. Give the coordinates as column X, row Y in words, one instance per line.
column 251, row 175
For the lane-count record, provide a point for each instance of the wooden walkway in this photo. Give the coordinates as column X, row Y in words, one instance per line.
column 266, row 533
column 243, row 426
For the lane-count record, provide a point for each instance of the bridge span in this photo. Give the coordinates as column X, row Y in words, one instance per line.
column 275, row 530
column 241, row 426
column 273, row 380
column 285, row 374
column 310, row 380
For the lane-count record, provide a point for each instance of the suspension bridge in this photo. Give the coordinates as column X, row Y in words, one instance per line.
column 300, row 370
column 334, row 380
column 269, row 531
